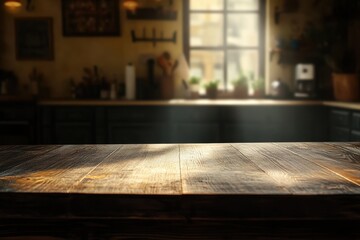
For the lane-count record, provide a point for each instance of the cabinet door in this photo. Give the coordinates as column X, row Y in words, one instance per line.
column 340, row 118
column 340, row 125
column 74, row 133
column 255, row 132
column 355, row 136
column 356, row 121
column 15, row 133
column 258, row 124
column 339, row 134
column 197, row 133
column 139, row 133
column 17, row 123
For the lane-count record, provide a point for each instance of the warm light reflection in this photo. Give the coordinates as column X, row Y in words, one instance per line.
column 131, row 5
column 282, row 178
column 12, row 3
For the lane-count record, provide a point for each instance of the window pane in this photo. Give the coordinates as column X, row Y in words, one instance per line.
column 243, row 30
column 206, row 4
column 242, row 61
column 206, row 29
column 246, row 5
column 208, row 65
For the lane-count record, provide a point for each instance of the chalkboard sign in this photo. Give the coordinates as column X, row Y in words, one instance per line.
column 34, row 38
column 90, row 18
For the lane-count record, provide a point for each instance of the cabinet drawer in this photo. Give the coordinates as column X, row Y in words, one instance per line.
column 74, row 114
column 137, row 133
column 258, row 114
column 138, row 114
column 74, row 133
column 340, row 134
column 197, row 133
column 356, row 121
column 196, row 114
column 355, row 136
column 16, row 113
column 340, row 118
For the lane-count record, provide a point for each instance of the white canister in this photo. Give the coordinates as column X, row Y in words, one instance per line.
column 130, row 81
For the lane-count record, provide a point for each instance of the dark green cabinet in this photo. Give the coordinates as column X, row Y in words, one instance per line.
column 182, row 124
column 345, row 125
column 17, row 123
column 340, row 129
column 273, row 124
column 74, row 133
column 68, row 125
column 355, row 136
column 194, row 124
column 139, row 133
column 137, row 125
column 197, row 133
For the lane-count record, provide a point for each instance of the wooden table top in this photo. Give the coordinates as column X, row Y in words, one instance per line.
column 212, row 175
column 298, row 168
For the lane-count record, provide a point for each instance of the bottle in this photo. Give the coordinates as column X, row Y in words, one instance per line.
column 130, row 81
column 3, row 87
column 72, row 89
column 105, row 89
column 113, row 89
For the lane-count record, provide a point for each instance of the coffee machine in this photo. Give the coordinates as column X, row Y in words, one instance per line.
column 305, row 81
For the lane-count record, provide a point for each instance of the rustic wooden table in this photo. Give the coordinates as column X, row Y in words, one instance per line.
column 212, row 191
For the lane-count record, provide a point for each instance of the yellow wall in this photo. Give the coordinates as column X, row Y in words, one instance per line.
column 285, row 30
column 73, row 53
column 112, row 53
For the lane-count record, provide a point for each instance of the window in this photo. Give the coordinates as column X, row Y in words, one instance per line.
column 224, row 38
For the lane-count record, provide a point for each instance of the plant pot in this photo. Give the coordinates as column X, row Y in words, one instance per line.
column 211, row 93
column 167, row 87
column 346, row 87
column 259, row 94
column 241, row 92
column 194, row 91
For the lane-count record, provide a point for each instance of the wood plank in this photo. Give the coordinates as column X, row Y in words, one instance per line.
column 11, row 156
column 345, row 163
column 135, row 169
column 28, row 148
column 221, row 169
column 296, row 173
column 55, row 171
column 353, row 148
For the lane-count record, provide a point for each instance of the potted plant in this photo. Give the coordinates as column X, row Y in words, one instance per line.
column 259, row 88
column 241, row 86
column 212, row 88
column 337, row 49
column 194, row 83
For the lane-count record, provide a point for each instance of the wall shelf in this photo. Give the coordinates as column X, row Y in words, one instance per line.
column 154, row 39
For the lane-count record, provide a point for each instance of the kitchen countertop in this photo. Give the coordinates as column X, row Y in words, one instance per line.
column 182, row 102
column 201, row 102
column 178, row 102
column 346, row 105
column 181, row 184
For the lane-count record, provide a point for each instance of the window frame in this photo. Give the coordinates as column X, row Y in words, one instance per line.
column 261, row 28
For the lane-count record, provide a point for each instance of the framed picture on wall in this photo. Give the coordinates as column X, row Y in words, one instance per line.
column 34, row 39
column 163, row 10
column 83, row 18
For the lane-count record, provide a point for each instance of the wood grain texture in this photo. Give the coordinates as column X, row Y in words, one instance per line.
column 221, row 169
column 11, row 156
column 182, row 169
column 54, row 171
column 135, row 169
column 343, row 161
column 218, row 191
column 296, row 173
